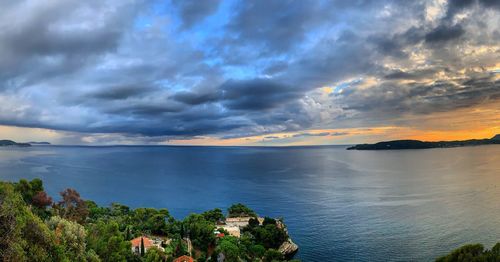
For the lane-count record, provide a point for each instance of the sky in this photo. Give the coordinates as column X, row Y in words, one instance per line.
column 261, row 72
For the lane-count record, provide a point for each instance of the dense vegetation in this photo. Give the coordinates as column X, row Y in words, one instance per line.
column 35, row 228
column 474, row 253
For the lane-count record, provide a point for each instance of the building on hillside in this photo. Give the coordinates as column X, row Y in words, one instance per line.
column 184, row 259
column 233, row 225
column 232, row 230
column 148, row 243
column 237, row 221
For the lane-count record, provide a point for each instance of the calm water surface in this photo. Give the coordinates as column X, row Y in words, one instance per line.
column 409, row 205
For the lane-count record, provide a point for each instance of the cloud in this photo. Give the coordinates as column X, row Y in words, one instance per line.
column 444, row 33
column 156, row 70
column 311, row 134
column 193, row 12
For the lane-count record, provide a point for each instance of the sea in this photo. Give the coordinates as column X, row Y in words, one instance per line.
column 339, row 205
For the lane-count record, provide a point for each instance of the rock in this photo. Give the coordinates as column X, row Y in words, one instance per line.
column 288, row 248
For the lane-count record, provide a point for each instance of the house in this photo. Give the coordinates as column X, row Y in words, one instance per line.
column 148, row 243
column 232, row 230
column 184, row 259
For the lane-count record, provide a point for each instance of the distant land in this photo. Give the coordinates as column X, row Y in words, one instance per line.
column 12, row 143
column 6, row 142
column 417, row 144
column 39, row 143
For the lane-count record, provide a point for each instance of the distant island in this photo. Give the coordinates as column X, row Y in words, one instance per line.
column 417, row 144
column 6, row 142
column 39, row 143
column 12, row 143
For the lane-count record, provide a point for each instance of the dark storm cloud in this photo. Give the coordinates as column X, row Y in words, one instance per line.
column 194, row 98
column 256, row 94
column 53, row 38
column 455, row 6
column 390, row 99
column 276, row 25
column 444, row 33
column 193, row 12
column 120, row 92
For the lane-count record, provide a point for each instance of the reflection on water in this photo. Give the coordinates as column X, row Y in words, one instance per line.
column 338, row 204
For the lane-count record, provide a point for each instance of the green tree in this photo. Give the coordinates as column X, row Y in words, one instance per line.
column 108, row 242
column 240, row 210
column 257, row 251
column 24, row 237
column 270, row 236
column 142, row 247
column 471, row 252
column 154, row 255
column 71, row 237
column 213, row 215
column 229, row 247
column 273, row 255
column 200, row 231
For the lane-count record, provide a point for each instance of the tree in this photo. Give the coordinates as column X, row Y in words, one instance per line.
column 150, row 220
column 24, row 237
column 42, row 200
column 471, row 252
column 269, row 236
column 107, row 241
column 71, row 236
column 253, row 222
column 240, row 210
column 199, row 230
column 273, row 255
column 213, row 215
column 72, row 207
column 269, row 221
column 257, row 251
column 142, row 247
column 128, row 233
column 154, row 255
column 229, row 247
column 29, row 189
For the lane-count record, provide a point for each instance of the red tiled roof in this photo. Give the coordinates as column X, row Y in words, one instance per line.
column 184, row 259
column 136, row 242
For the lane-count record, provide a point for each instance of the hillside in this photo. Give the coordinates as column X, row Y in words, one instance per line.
column 417, row 144
column 12, row 143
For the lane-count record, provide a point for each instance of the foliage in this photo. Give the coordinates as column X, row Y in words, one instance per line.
column 108, row 242
column 28, row 189
column 199, row 230
column 71, row 236
column 72, row 207
column 273, row 255
column 472, row 252
column 154, row 255
column 41, row 200
column 229, row 247
column 148, row 220
column 240, row 210
column 213, row 215
column 24, row 237
column 269, row 236
column 142, row 247
column 81, row 230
